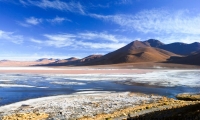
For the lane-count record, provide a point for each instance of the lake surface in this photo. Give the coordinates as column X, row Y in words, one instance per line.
column 19, row 87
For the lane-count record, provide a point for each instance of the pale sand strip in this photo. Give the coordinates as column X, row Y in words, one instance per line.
column 35, row 70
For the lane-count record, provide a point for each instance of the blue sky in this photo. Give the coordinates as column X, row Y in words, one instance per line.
column 32, row 29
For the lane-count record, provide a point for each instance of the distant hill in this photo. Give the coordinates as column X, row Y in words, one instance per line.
column 42, row 61
column 66, row 60
column 177, row 47
column 135, row 51
column 90, row 58
column 75, row 61
column 181, row 48
column 46, row 60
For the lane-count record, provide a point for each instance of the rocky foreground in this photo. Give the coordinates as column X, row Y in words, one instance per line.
column 116, row 106
column 75, row 106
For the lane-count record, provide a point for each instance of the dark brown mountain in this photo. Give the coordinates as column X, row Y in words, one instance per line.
column 181, row 48
column 192, row 59
column 135, row 51
column 177, row 47
column 90, row 58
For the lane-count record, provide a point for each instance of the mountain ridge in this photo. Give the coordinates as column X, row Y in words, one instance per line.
column 151, row 50
column 176, row 47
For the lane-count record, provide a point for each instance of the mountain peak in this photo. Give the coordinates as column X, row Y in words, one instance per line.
column 153, row 43
column 135, row 45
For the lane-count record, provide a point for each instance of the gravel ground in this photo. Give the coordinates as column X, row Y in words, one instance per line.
column 78, row 106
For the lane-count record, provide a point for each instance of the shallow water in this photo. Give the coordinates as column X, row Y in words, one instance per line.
column 18, row 87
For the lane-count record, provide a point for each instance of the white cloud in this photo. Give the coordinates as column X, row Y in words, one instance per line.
column 84, row 40
column 111, row 46
column 23, row 24
column 157, row 21
column 102, row 36
column 185, row 38
column 23, row 2
column 33, row 20
column 58, row 20
column 60, row 40
column 36, row 41
column 57, row 4
column 10, row 36
column 124, row 2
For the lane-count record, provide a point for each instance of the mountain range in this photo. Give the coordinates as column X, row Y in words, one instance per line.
column 176, row 47
column 151, row 50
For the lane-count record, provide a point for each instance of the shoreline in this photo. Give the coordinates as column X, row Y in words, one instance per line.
column 94, row 106
column 84, row 70
column 80, row 105
column 55, row 70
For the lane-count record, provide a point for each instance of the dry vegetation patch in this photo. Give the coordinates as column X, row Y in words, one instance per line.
column 26, row 116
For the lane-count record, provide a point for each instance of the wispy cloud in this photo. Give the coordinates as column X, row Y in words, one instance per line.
column 102, row 36
column 157, row 21
column 59, row 40
column 56, row 4
column 58, row 20
column 112, row 46
column 185, row 38
column 33, row 20
column 36, row 41
column 23, row 2
column 84, row 40
column 123, row 2
column 10, row 36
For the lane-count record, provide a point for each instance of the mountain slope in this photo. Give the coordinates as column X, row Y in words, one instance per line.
column 177, row 47
column 66, row 60
column 181, row 48
column 135, row 51
column 192, row 59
